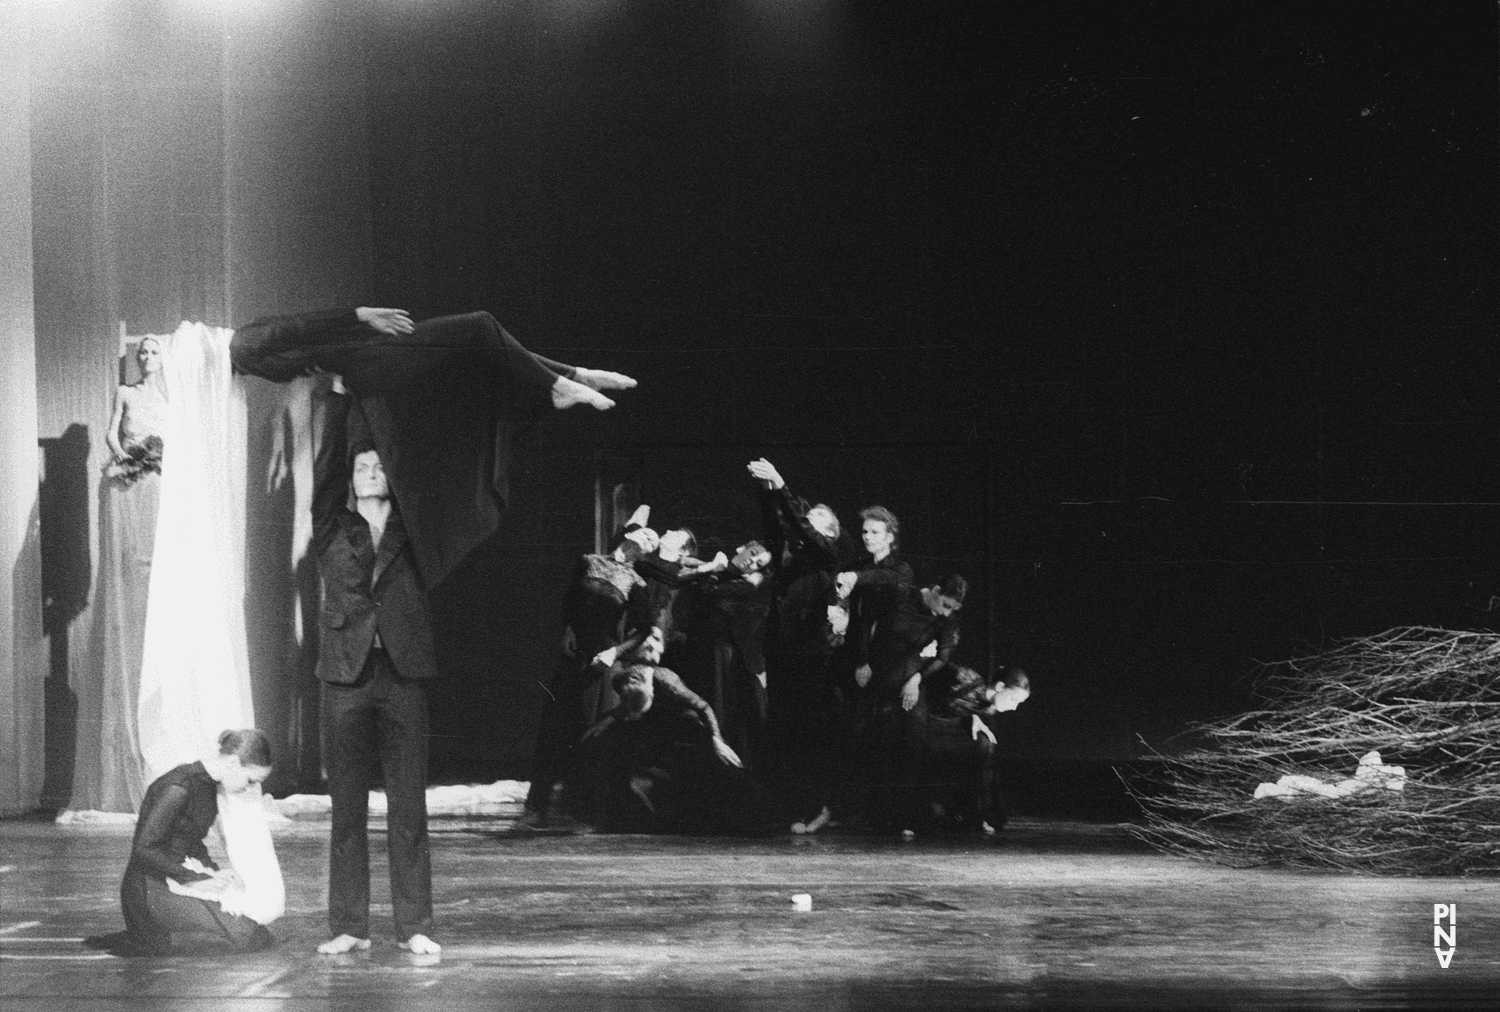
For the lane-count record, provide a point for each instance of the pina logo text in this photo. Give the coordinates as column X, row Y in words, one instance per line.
column 1442, row 936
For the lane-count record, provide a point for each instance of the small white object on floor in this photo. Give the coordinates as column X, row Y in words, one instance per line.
column 802, row 902
column 93, row 817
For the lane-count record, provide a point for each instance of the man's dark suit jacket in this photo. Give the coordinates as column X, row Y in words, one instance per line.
column 443, row 405
column 365, row 590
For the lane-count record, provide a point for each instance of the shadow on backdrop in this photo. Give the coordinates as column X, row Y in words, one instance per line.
column 63, row 508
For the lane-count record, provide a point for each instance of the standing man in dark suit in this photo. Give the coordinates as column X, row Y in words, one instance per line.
column 375, row 656
column 432, row 410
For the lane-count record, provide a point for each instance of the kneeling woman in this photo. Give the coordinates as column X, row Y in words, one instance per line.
column 171, row 884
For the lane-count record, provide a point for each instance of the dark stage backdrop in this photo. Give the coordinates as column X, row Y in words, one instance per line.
column 1211, row 288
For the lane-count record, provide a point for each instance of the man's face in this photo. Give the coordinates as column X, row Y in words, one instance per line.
column 822, row 520
column 877, row 536
column 652, row 647
column 642, row 681
column 369, row 477
column 750, row 560
column 1004, row 698
column 941, row 604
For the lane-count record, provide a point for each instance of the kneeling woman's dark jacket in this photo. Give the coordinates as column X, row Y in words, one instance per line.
column 179, row 807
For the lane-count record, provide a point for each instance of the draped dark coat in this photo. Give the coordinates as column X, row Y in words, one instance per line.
column 442, row 406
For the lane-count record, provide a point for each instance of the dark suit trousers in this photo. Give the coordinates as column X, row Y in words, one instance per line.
column 381, row 718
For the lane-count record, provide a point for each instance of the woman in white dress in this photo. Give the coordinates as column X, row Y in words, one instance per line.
column 110, row 775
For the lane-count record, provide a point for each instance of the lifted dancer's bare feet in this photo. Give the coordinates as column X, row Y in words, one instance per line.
column 343, row 943
column 602, row 379
column 421, row 945
column 566, row 393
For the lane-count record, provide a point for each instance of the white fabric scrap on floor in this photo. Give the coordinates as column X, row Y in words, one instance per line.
column 1371, row 774
column 92, row 817
column 498, row 798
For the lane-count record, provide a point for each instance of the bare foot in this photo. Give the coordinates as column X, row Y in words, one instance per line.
column 342, row 944
column 566, row 393
column 421, row 945
column 602, row 379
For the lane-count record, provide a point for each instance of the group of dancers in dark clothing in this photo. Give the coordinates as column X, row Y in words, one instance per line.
column 779, row 686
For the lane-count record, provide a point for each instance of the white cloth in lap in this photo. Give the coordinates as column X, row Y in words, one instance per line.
column 247, row 840
column 256, row 889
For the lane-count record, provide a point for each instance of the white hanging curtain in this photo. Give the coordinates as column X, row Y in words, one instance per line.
column 195, row 676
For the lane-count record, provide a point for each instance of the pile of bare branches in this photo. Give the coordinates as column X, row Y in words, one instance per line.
column 1427, row 699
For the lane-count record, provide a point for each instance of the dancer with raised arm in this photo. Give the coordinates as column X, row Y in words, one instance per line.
column 420, row 419
column 808, row 624
column 375, row 654
column 444, row 400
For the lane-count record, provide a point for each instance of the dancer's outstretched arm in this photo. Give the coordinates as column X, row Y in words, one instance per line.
column 330, row 471
column 791, row 515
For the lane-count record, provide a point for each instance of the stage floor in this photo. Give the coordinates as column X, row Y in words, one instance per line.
column 1046, row 915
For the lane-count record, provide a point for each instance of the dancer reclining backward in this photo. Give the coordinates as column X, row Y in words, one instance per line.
column 665, row 767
